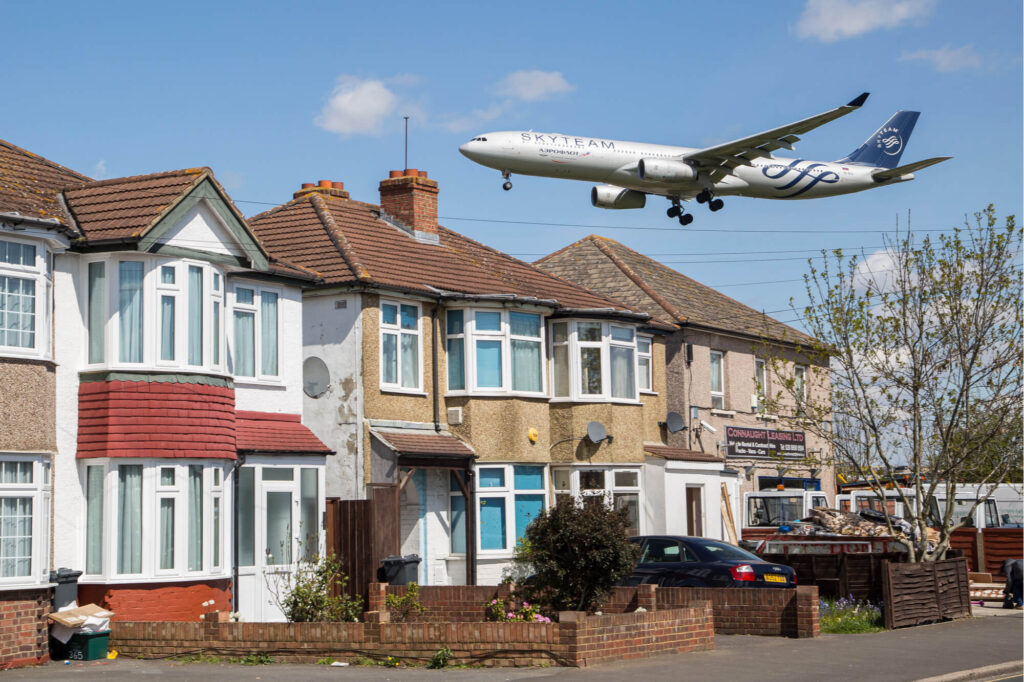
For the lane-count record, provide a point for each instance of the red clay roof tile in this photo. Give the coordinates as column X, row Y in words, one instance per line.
column 276, row 433
column 29, row 184
column 406, row 443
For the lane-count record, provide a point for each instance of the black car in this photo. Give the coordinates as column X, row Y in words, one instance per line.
column 679, row 561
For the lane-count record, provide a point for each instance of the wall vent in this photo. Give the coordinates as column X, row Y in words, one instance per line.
column 340, row 305
column 454, row 416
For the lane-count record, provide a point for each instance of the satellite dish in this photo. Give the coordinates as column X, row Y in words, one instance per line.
column 316, row 378
column 596, row 432
column 674, row 422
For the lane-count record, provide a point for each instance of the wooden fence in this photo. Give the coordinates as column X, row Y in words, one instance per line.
column 839, row 575
column 362, row 532
column 924, row 592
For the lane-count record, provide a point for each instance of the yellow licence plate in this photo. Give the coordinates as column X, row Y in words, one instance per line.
column 769, row 578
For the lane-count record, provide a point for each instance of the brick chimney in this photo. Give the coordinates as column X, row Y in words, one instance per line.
column 325, row 187
column 410, row 198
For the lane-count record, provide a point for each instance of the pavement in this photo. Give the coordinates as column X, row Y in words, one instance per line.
column 988, row 647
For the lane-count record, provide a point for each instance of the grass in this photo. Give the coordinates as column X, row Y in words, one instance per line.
column 849, row 616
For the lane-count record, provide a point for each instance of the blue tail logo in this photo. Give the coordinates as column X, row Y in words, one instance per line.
column 884, row 148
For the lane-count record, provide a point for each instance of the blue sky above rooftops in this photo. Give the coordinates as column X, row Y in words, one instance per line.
column 271, row 95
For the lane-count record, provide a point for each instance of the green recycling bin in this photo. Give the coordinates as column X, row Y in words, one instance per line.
column 83, row 646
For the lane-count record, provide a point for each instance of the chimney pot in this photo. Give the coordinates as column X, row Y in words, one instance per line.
column 395, row 174
column 423, row 174
column 411, row 172
column 325, row 184
column 338, row 185
column 308, row 185
column 411, row 198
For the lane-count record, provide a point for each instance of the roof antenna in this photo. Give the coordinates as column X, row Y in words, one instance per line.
column 406, row 142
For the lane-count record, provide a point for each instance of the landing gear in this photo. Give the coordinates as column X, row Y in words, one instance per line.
column 508, row 184
column 674, row 211
column 686, row 219
column 716, row 204
column 705, row 197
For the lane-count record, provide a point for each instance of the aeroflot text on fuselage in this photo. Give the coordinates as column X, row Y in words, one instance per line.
column 746, row 167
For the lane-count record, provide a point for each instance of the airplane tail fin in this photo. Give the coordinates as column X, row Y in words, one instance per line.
column 885, row 147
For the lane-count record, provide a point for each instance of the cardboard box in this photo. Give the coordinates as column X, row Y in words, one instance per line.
column 77, row 617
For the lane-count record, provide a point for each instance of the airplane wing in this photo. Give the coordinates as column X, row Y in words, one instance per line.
column 724, row 158
column 882, row 176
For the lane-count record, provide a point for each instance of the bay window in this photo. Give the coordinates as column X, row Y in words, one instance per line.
column 400, row 346
column 593, row 360
column 495, row 351
column 717, row 380
column 509, row 497
column 613, row 488
column 255, row 337
column 25, row 285
column 24, row 519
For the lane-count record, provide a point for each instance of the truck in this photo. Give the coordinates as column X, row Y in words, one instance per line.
column 765, row 510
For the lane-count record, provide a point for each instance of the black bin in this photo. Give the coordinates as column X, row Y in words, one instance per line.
column 399, row 570
column 66, row 591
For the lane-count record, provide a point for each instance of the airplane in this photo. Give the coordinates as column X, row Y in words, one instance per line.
column 745, row 167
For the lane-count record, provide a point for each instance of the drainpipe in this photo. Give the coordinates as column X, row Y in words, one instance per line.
column 239, row 463
column 433, row 347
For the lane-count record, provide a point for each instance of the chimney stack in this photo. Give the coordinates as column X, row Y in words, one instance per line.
column 411, row 198
column 324, row 187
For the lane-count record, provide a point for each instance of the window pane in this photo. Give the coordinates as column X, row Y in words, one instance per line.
column 216, row 332
column 216, row 281
column 268, row 333
column 166, row 533
column 16, row 472
column 528, row 478
column 279, row 528
column 488, row 322
column 526, row 366
column 309, row 504
column 524, row 324
column 246, row 516
column 388, row 313
column 166, row 476
column 627, row 479
column 455, row 322
column 528, row 507
column 591, row 480
column 15, row 536
column 631, row 503
column 389, row 358
column 94, row 519
column 716, row 372
column 458, row 524
column 17, row 312
column 588, row 331
column 493, row 477
column 130, row 311
column 195, row 315
column 621, row 333
column 410, row 317
column 645, row 374
column 167, row 274
column 560, row 332
column 166, row 327
column 216, row 532
column 195, row 518
column 492, row 523
column 643, row 345
column 17, row 254
column 561, row 370
column 590, row 371
column 129, row 518
column 410, row 361
column 244, row 296
column 562, row 478
column 97, row 311
column 623, row 368
column 245, row 344
column 488, row 364
column 278, row 474
column 456, row 364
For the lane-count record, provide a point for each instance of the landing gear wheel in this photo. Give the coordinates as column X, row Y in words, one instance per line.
column 674, row 211
column 716, row 205
column 703, row 197
column 686, row 219
column 507, row 186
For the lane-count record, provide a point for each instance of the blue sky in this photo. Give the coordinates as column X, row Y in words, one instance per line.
column 271, row 95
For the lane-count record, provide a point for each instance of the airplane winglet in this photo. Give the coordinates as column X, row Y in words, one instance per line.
column 859, row 100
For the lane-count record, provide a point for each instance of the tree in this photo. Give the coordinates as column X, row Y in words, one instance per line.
column 575, row 554
column 923, row 343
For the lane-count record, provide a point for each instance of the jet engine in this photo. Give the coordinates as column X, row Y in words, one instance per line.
column 665, row 170
column 610, row 196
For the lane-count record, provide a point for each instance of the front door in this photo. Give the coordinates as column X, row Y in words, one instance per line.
column 694, row 511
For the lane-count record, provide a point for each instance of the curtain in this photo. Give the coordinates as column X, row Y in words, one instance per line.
column 94, row 519
column 195, row 517
column 97, row 311
column 268, row 333
column 167, row 533
column 410, row 360
column 17, row 312
column 246, row 516
column 15, row 536
column 216, row 532
column 526, row 366
column 245, row 340
column 623, row 372
column 216, row 332
column 309, row 499
column 389, row 358
column 456, row 364
column 130, row 311
column 488, row 364
column 560, row 359
column 129, row 518
column 166, row 327
column 590, row 370
column 195, row 315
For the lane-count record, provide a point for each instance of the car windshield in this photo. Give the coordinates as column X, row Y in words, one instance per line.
column 719, row 551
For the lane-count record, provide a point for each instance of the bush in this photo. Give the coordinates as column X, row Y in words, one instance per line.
column 576, row 555
column 515, row 611
column 849, row 615
column 309, row 595
column 403, row 607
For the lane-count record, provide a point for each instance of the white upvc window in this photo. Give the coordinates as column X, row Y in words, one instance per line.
column 495, row 351
column 24, row 519
column 612, row 487
column 509, row 497
column 644, row 366
column 717, row 373
column 594, row 361
column 255, row 331
column 26, row 276
column 760, row 383
column 154, row 519
column 401, row 366
column 800, row 389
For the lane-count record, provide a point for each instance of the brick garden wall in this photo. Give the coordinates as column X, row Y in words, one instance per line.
column 158, row 601
column 747, row 611
column 445, row 604
column 24, row 635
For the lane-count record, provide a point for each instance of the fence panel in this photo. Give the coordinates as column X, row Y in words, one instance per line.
column 1001, row 544
column 924, row 592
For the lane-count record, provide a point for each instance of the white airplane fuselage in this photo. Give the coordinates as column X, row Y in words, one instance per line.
column 616, row 162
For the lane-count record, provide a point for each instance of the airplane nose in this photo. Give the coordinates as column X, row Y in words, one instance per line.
column 464, row 149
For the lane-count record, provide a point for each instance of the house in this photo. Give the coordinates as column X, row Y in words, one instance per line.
column 462, row 378
column 176, row 368
column 722, row 361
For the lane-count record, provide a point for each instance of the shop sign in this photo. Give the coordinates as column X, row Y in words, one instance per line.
column 744, row 442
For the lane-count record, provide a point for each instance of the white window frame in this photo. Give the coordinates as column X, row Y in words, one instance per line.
column 152, row 493
column 41, row 274
column 607, row 492
column 800, row 380
column 397, row 331
column 256, row 310
column 507, row 494
column 575, row 362
column 505, row 336
column 39, row 492
column 649, row 356
column 717, row 397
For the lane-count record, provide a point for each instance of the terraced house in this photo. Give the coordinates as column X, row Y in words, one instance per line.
column 463, row 377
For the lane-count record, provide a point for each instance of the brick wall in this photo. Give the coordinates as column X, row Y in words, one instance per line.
column 749, row 611
column 578, row 640
column 444, row 603
column 159, row 601
column 24, row 633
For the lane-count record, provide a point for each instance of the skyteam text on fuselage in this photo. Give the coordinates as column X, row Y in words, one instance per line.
column 746, row 167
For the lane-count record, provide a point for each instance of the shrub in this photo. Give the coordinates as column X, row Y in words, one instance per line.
column 515, row 611
column 309, row 594
column 576, row 555
column 849, row 615
column 403, row 607
column 440, row 658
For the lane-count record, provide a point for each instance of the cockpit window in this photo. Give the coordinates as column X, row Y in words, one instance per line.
column 479, row 139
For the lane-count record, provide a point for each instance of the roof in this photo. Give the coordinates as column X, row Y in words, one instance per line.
column 438, row 444
column 617, row 271
column 269, row 432
column 29, row 184
column 346, row 242
column 681, row 454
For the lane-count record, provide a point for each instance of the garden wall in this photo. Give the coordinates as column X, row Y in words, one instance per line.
column 24, row 636
column 577, row 640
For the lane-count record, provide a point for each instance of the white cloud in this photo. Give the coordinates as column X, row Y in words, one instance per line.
column 946, row 59
column 832, row 20
column 357, row 107
column 533, row 86
column 99, row 171
column 878, row 271
column 472, row 120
